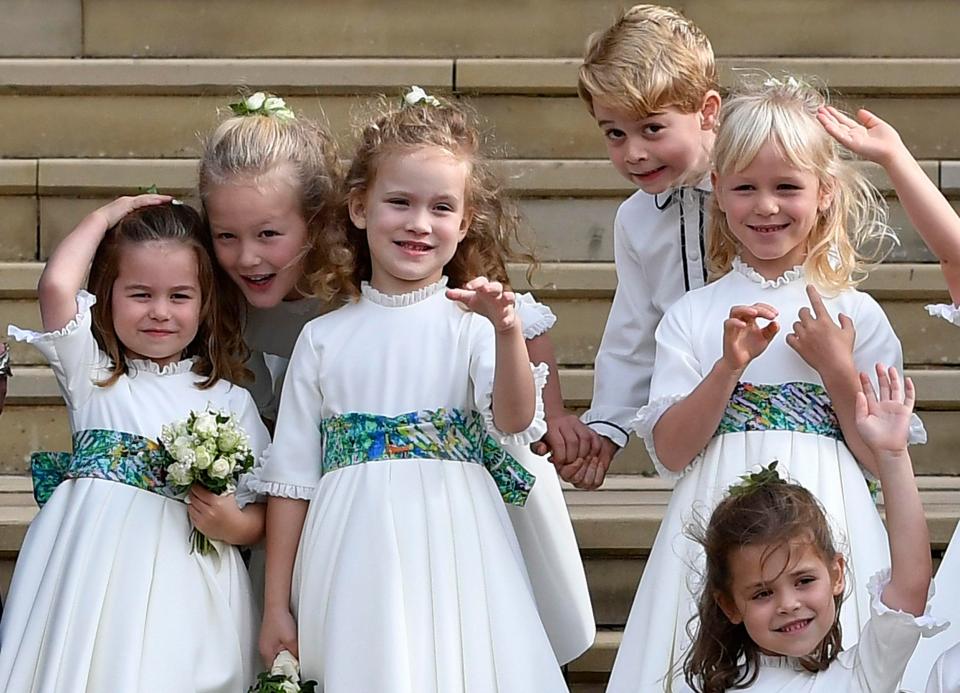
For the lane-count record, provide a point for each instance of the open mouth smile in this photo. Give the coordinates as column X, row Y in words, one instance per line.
column 257, row 280
column 414, row 247
column 767, row 228
column 795, row 627
column 646, row 175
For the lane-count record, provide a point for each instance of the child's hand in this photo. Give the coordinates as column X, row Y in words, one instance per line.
column 278, row 632
column 871, row 138
column 567, row 438
column 743, row 339
column 824, row 345
column 113, row 212
column 884, row 423
column 589, row 473
column 217, row 517
column 490, row 300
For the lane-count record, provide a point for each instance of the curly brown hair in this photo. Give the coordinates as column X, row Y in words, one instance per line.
column 492, row 240
column 218, row 346
column 775, row 515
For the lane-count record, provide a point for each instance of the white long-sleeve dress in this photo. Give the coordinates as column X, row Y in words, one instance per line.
column 106, row 595
column 408, row 577
column 780, row 411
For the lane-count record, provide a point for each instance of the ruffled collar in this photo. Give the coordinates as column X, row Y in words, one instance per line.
column 148, row 366
column 667, row 198
column 754, row 276
column 401, row 300
column 780, row 662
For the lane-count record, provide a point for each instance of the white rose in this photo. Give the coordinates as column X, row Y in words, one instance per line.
column 182, row 448
column 229, row 439
column 220, row 468
column 287, row 665
column 179, row 474
column 274, row 103
column 206, row 425
column 255, row 101
column 416, row 95
column 203, row 458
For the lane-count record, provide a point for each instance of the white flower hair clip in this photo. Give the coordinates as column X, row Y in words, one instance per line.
column 262, row 103
column 790, row 81
column 416, row 95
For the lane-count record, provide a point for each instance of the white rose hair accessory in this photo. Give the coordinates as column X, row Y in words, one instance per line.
column 262, row 103
column 417, row 96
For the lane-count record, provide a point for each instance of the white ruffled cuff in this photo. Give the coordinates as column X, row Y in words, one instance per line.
column 85, row 302
column 535, row 317
column 279, row 489
column 927, row 624
column 948, row 312
column 537, row 427
column 918, row 433
column 245, row 495
column 643, row 424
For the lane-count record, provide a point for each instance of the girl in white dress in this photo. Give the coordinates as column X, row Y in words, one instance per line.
column 774, row 583
column 267, row 181
column 391, row 562
column 938, row 225
column 729, row 391
column 106, row 594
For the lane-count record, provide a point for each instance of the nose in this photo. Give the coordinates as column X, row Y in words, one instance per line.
column 636, row 150
column 159, row 309
column 787, row 602
column 418, row 221
column 767, row 205
column 249, row 255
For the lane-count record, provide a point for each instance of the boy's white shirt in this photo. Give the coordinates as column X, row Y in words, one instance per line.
column 655, row 267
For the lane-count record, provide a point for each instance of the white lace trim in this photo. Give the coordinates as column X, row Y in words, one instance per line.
column 643, row 424
column 948, row 312
column 148, row 366
column 927, row 624
column 280, row 490
column 245, row 495
column 85, row 302
column 754, row 276
column 401, row 300
column 544, row 320
column 537, row 427
column 918, row 433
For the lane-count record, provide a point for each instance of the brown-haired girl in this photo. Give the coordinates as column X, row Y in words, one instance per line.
column 385, row 469
column 769, row 610
column 106, row 566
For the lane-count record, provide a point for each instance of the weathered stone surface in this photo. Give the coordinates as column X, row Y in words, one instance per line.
column 51, row 29
column 18, row 235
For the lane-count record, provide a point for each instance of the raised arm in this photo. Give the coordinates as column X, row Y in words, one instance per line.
column 67, row 267
column 514, row 397
column 687, row 426
column 927, row 208
column 884, row 422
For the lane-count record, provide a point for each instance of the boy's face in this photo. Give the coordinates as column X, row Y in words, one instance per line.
column 664, row 148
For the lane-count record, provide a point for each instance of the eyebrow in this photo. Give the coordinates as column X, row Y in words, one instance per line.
column 801, row 570
column 146, row 287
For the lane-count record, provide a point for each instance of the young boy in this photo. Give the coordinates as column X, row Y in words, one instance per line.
column 651, row 84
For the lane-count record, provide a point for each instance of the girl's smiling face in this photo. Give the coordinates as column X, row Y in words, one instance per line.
column 785, row 596
column 259, row 236
column 771, row 207
column 414, row 214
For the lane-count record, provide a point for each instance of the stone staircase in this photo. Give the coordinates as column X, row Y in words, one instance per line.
column 103, row 97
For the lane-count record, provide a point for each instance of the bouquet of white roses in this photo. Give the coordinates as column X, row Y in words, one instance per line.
column 209, row 449
column 283, row 677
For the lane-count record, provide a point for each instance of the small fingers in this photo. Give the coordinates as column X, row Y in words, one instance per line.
column 569, row 470
column 883, row 383
column 909, row 394
column 816, row 300
column 866, row 387
column 475, row 283
column 770, row 331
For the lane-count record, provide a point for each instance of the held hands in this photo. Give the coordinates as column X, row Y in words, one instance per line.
column 819, row 341
column 489, row 299
column 112, row 212
column 589, row 473
column 567, row 439
column 871, row 137
column 743, row 339
column 884, row 422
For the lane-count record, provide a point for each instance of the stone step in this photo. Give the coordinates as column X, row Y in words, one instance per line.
column 568, row 205
column 248, row 28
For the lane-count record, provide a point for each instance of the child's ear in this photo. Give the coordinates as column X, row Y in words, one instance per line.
column 825, row 197
column 728, row 607
column 837, row 572
column 710, row 110
column 465, row 224
column 357, row 210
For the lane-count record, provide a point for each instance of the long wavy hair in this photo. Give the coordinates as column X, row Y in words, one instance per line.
column 218, row 345
column 492, row 238
column 773, row 515
column 850, row 233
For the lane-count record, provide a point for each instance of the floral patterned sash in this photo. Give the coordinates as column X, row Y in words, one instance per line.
column 800, row 407
column 103, row 454
column 442, row 434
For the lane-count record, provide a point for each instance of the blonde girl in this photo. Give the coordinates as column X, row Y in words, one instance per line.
column 731, row 390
